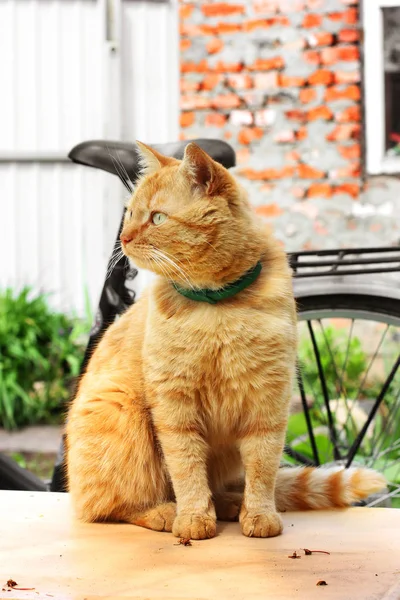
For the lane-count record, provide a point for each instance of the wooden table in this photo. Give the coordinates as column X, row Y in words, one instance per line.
column 43, row 546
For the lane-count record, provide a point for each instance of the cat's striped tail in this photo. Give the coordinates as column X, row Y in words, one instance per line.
column 305, row 488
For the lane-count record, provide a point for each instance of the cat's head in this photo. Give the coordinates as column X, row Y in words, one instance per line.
column 189, row 220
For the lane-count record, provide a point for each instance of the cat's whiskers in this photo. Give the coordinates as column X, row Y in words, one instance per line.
column 125, row 172
column 125, row 180
column 115, row 258
column 162, row 267
column 189, row 262
column 179, row 269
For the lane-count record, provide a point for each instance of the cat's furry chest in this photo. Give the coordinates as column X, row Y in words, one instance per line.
column 227, row 359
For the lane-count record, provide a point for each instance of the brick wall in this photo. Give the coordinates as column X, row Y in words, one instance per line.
column 280, row 80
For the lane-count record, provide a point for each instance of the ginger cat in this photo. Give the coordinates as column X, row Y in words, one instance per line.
column 182, row 392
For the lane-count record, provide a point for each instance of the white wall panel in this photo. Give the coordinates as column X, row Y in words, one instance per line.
column 150, row 68
column 52, row 233
column 60, row 84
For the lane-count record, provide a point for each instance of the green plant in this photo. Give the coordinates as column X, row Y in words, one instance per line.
column 343, row 362
column 40, row 355
column 345, row 366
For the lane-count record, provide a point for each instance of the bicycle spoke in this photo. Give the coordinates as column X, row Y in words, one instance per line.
column 372, row 361
column 321, row 374
column 339, row 391
column 357, row 442
column 307, row 417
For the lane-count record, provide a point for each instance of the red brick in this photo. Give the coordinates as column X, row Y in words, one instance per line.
column 348, row 36
column 267, row 64
column 285, row 137
column 228, row 135
column 185, row 44
column 191, row 67
column 296, row 115
column 322, row 38
column 313, row 4
column 298, row 44
column 185, row 11
column 215, row 45
column 269, row 210
column 347, row 76
column 321, row 77
column 223, row 67
column 307, row 95
column 320, row 112
column 225, row 101
column 222, row 28
column 266, row 81
column 350, row 92
column 265, row 23
column 249, row 134
column 312, row 56
column 187, row 119
column 321, row 190
column 241, row 117
column 292, row 156
column 336, row 16
column 344, row 132
column 350, row 152
column 329, row 56
column 189, row 86
column 265, row 117
column 308, row 172
column 352, row 113
column 298, row 192
column 349, row 16
column 211, row 80
column 240, row 82
column 353, row 189
column 189, row 102
column 215, row 120
column 268, row 173
column 288, row 81
column 348, row 2
column 222, row 9
column 353, row 170
column 265, row 6
column 301, row 133
column 311, row 20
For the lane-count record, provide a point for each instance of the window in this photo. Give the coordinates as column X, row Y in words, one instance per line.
column 382, row 84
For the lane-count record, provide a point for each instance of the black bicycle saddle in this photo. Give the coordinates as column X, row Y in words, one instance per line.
column 121, row 158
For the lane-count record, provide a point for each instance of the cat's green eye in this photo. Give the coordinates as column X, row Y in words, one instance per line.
column 158, row 218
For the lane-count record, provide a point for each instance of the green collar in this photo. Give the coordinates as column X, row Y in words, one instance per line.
column 214, row 296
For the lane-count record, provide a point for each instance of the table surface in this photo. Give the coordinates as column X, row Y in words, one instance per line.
column 42, row 546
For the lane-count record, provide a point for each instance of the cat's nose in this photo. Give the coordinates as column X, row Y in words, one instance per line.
column 125, row 239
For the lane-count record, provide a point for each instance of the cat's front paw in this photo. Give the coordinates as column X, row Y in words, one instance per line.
column 195, row 527
column 261, row 525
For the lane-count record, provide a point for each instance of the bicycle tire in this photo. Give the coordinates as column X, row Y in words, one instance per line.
column 329, row 301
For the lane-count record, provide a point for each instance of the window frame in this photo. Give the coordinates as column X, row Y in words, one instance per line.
column 374, row 89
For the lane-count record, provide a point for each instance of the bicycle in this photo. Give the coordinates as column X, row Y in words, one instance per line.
column 332, row 290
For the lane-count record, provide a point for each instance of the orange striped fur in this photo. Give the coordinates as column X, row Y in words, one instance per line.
column 179, row 395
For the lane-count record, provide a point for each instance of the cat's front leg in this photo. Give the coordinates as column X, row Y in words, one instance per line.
column 261, row 457
column 186, row 452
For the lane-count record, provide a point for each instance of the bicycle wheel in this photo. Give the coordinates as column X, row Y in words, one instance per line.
column 346, row 408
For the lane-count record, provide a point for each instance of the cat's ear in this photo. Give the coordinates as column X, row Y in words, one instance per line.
column 199, row 167
column 152, row 161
